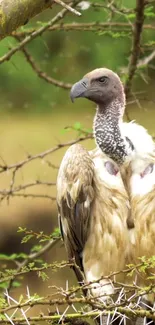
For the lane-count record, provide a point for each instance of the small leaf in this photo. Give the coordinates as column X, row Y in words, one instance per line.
column 26, row 238
column 77, row 126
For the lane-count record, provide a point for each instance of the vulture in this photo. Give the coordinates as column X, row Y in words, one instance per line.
column 106, row 197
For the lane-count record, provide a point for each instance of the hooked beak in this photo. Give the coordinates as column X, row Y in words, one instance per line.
column 79, row 89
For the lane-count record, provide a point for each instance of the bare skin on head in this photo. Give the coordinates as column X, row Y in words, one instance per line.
column 104, row 87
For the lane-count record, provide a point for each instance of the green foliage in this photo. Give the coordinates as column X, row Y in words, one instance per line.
column 149, row 12
column 78, row 127
column 41, row 236
column 37, row 265
column 24, row 92
column 13, row 257
column 43, row 275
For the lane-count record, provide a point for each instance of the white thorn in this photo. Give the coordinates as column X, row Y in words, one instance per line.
column 28, row 292
column 24, row 315
column 10, row 320
column 9, row 297
column 57, row 309
column 63, row 314
column 14, row 312
column 74, row 308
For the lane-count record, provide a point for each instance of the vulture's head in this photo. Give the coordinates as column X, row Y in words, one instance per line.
column 101, row 86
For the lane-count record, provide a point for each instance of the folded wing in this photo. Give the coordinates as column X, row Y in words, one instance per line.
column 74, row 197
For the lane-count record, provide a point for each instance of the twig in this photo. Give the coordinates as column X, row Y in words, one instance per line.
column 113, row 8
column 25, row 195
column 32, row 257
column 52, row 266
column 13, row 190
column 40, row 73
column 68, row 7
column 146, row 60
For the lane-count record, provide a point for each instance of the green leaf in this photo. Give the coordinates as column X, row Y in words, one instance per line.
column 43, row 275
column 16, row 284
column 26, row 238
column 20, row 229
column 77, row 126
column 36, row 248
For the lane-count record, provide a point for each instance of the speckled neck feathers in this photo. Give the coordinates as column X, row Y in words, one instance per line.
column 107, row 131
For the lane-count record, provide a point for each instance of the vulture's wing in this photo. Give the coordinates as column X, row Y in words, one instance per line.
column 74, row 197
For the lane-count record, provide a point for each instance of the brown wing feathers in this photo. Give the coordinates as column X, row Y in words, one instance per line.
column 75, row 194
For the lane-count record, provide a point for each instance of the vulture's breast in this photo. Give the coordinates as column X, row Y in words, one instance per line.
column 107, row 244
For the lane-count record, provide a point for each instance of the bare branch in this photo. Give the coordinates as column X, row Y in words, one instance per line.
column 135, row 52
column 42, row 154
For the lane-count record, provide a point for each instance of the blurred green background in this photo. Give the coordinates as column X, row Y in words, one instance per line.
column 33, row 114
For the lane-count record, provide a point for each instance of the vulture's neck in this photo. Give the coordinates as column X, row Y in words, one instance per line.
column 108, row 134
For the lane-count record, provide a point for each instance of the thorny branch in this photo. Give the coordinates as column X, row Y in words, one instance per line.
column 124, row 306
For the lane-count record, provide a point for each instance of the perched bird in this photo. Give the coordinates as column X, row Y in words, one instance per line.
column 97, row 191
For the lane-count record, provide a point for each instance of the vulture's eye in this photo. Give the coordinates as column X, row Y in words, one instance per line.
column 102, row 79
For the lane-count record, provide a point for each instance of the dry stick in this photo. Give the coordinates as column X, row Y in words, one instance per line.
column 36, row 33
column 35, row 183
column 135, row 52
column 41, row 74
column 13, row 191
column 25, row 195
